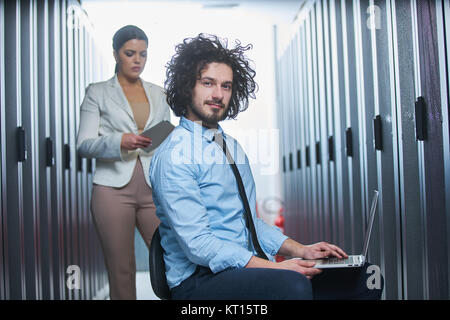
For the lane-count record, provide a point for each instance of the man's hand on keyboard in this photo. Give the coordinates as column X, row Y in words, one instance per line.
column 322, row 250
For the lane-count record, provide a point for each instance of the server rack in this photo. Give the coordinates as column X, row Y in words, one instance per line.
column 2, row 148
column 47, row 59
column 443, row 33
column 373, row 114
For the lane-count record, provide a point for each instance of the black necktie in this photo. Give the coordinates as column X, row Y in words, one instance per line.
column 218, row 138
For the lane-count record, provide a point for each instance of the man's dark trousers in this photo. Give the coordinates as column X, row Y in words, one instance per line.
column 275, row 284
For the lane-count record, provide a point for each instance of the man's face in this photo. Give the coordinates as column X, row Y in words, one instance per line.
column 211, row 95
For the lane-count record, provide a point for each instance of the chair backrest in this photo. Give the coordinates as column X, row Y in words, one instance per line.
column 158, row 268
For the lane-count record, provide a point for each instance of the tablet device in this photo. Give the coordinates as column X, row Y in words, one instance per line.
column 158, row 134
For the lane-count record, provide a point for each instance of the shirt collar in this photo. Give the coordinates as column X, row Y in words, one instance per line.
column 192, row 126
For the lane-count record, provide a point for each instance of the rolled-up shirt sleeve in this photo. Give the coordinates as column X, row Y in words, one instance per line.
column 271, row 237
column 180, row 199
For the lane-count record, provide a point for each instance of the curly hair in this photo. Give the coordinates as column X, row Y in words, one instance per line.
column 191, row 58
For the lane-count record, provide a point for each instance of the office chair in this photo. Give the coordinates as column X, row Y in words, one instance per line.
column 158, row 268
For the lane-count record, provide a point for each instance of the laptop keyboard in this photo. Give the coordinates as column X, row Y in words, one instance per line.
column 337, row 261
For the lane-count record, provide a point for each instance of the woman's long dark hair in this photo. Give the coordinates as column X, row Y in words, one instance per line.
column 124, row 34
column 191, row 58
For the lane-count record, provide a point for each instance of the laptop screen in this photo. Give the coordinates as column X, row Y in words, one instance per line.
column 370, row 225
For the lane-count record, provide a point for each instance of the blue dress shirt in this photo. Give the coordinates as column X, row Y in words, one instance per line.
column 198, row 203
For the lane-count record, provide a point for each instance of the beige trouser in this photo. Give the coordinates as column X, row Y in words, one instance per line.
column 116, row 212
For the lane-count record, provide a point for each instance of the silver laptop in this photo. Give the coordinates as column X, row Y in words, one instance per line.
column 354, row 260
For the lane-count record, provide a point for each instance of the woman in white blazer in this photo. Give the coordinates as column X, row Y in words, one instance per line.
column 112, row 116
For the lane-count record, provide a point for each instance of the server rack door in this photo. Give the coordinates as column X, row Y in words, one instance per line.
column 280, row 119
column 92, row 239
column 354, row 93
column 279, row 99
column 88, row 263
column 291, row 135
column 285, row 137
column 292, row 141
column 293, row 138
column 293, row 111
column 443, row 29
column 314, row 123
column 328, row 145
column 367, row 95
column 82, row 172
column 67, row 76
column 30, row 172
column 303, row 208
column 297, row 129
column 321, row 128
column 338, row 64
column 56, row 132
column 295, row 135
column 2, row 152
column 90, row 278
column 287, row 141
column 436, row 220
column 363, row 15
column 66, row 29
column 279, row 74
column 310, row 139
column 317, row 126
column 14, row 254
column 45, row 143
column 79, row 55
column 298, row 123
column 73, row 50
column 413, row 253
column 358, row 116
column 387, row 158
column 291, row 209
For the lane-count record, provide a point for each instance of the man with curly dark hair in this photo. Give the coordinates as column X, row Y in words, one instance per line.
column 191, row 59
column 204, row 192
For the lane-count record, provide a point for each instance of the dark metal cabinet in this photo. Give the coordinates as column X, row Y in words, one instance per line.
column 12, row 168
column 55, row 23
column 46, row 149
column 47, row 59
column 2, row 151
column 443, row 36
column 409, row 151
column 372, row 105
column 433, row 152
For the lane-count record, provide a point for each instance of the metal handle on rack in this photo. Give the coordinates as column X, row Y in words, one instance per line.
column 318, row 155
column 377, row 133
column 21, row 145
column 49, row 160
column 331, row 148
column 349, row 142
column 66, row 156
column 420, row 114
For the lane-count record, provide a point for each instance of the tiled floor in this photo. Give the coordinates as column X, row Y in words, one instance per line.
column 143, row 287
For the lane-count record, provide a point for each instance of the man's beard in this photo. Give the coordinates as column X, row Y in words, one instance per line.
column 210, row 120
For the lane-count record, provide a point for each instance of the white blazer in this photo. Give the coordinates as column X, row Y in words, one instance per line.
column 105, row 115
